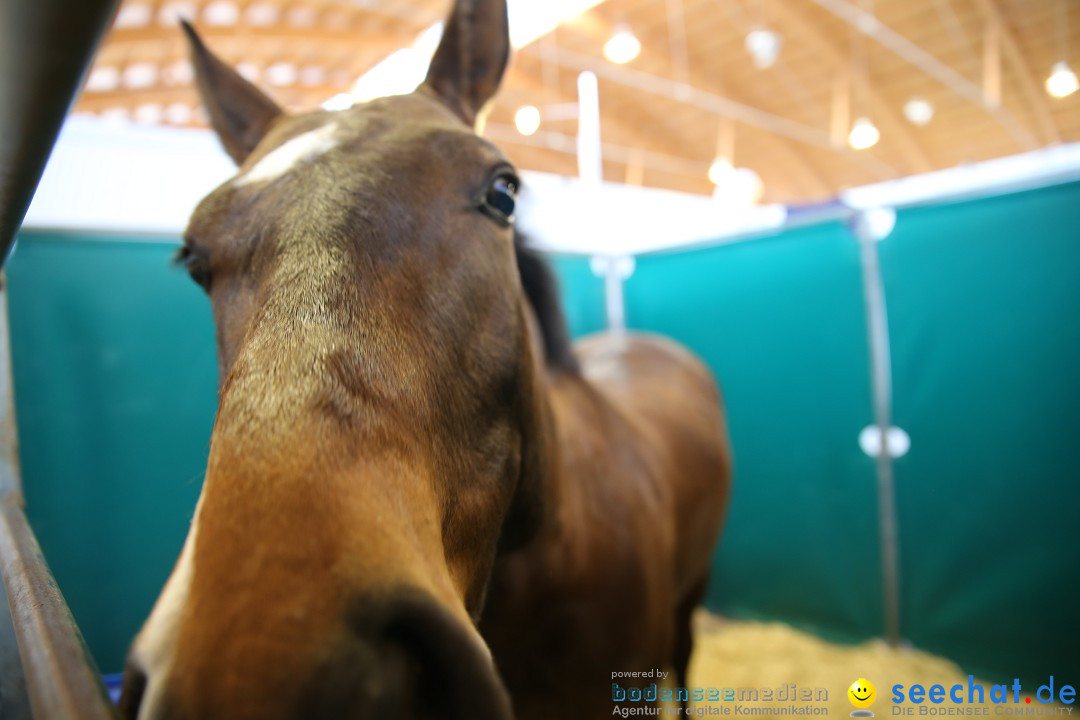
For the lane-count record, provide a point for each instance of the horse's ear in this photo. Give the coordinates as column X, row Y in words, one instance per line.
column 471, row 56
column 239, row 112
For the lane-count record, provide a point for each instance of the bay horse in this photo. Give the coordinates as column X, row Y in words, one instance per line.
column 411, row 469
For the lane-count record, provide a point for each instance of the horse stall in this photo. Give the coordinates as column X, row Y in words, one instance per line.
column 897, row 358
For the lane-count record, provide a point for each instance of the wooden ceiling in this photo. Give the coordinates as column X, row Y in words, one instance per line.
column 693, row 91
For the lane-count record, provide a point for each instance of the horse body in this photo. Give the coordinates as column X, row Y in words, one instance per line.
column 637, row 500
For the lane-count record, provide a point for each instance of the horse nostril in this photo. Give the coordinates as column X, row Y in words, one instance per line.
column 132, row 691
column 445, row 669
column 406, row 656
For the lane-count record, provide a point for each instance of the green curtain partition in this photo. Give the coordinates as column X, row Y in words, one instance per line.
column 780, row 321
column 115, row 378
column 115, row 390
column 983, row 312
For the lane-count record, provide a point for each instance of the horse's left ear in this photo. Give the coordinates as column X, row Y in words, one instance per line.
column 471, row 57
column 239, row 112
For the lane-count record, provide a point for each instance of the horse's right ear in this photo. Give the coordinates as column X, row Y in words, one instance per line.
column 239, row 112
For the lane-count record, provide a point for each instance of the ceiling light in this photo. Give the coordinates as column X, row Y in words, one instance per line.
column 863, row 134
column 301, row 16
column 622, row 47
column 171, row 12
column 248, row 70
column 103, row 79
column 1062, row 81
column 918, row 111
column 527, row 120
column 720, row 171
column 763, row 46
column 261, row 15
column 179, row 72
column 221, row 13
column 281, row 73
column 750, row 185
column 178, row 113
column 736, row 188
column 140, row 75
column 149, row 113
column 132, row 15
column 311, row 75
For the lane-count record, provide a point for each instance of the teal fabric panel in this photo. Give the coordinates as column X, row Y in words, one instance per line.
column 983, row 299
column 115, row 388
column 582, row 294
column 780, row 321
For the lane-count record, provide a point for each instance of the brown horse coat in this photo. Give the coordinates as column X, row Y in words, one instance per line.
column 399, row 436
column 637, row 500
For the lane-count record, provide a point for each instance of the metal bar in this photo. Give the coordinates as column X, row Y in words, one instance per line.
column 61, row 678
column 614, row 269
column 877, row 324
column 14, row 704
column 590, row 151
column 614, row 298
column 992, row 63
column 45, row 48
column 9, row 436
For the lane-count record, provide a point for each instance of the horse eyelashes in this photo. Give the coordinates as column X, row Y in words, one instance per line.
column 195, row 263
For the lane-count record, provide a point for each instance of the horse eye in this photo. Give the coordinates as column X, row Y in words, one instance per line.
column 500, row 198
column 196, row 264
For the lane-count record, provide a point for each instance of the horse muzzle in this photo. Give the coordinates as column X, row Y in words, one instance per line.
column 398, row 655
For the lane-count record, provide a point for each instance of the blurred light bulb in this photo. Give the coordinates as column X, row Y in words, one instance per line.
column 1062, row 81
column 140, row 75
column 721, row 171
column 527, row 120
column 149, row 113
column 281, row 73
column 622, row 47
column 763, row 46
column 863, row 134
column 178, row 113
column 750, row 185
column 918, row 111
column 221, row 12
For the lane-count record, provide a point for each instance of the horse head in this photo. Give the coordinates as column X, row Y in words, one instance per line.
column 380, row 427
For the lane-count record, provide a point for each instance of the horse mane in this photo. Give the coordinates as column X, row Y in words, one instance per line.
column 542, row 291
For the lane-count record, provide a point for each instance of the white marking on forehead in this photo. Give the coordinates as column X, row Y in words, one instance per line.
column 282, row 159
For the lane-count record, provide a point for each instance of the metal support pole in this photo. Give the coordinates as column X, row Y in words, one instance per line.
column 869, row 227
column 615, row 270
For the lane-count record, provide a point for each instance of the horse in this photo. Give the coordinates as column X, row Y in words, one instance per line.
column 420, row 500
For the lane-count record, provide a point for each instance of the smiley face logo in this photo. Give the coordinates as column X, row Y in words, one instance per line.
column 862, row 693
